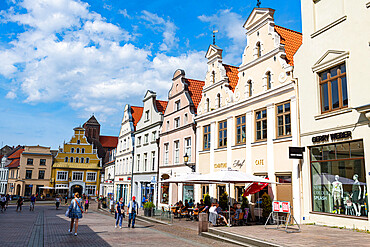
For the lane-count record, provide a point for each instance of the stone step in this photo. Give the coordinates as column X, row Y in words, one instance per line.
column 224, row 239
column 242, row 239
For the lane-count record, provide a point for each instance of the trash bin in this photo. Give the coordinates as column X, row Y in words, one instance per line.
column 203, row 223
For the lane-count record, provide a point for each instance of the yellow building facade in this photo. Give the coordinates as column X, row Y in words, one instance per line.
column 77, row 167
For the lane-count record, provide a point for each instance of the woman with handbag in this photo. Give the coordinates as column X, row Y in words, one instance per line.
column 75, row 212
column 120, row 212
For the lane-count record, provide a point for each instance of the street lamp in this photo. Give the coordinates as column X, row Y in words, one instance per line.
column 186, row 160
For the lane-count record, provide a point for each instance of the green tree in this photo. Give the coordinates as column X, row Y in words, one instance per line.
column 266, row 205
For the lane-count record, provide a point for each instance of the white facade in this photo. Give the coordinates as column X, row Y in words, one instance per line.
column 332, row 67
column 109, row 174
column 3, row 175
column 146, row 149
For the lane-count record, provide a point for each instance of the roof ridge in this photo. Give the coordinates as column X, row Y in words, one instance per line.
column 194, row 79
column 288, row 29
column 230, row 65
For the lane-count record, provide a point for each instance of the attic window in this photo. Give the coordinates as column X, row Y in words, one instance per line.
column 177, row 105
column 147, row 115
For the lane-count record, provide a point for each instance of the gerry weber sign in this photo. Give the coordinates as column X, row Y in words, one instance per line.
column 333, row 137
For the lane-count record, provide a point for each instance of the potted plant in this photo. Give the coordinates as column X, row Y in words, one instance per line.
column 207, row 200
column 148, row 208
column 266, row 206
column 224, row 201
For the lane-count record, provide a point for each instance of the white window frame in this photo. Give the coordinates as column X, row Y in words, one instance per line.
column 177, row 105
column 153, row 160
column 87, row 176
column 82, row 177
column 177, row 122
column 66, row 179
column 145, row 159
column 176, row 151
column 146, row 138
column 89, row 187
column 187, row 148
column 166, row 152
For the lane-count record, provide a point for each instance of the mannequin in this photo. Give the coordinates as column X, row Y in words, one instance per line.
column 337, row 193
column 356, row 195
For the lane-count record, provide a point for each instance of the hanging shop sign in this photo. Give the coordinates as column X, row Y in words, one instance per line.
column 220, row 165
column 281, row 207
column 332, row 137
column 238, row 163
column 296, row 152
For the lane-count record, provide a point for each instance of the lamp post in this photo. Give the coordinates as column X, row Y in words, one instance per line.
column 186, row 160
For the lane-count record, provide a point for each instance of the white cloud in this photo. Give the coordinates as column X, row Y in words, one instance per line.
column 124, row 13
column 11, row 95
column 83, row 60
column 229, row 25
column 167, row 28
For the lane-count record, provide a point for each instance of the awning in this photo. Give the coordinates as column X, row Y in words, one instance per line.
column 47, row 188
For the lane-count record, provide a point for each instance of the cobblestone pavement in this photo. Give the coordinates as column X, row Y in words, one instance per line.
column 49, row 227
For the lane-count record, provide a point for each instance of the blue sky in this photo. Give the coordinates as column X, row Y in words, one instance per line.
column 63, row 60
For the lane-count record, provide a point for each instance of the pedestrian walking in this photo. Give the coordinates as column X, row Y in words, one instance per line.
column 75, row 212
column 19, row 204
column 7, row 201
column 2, row 202
column 119, row 213
column 86, row 203
column 33, row 201
column 133, row 209
column 57, row 202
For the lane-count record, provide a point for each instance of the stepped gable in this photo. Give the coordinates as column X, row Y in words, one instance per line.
column 161, row 105
column 292, row 40
column 136, row 112
column 108, row 141
column 195, row 88
column 232, row 74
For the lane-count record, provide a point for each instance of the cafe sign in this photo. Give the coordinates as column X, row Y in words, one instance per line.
column 332, row 137
column 220, row 165
column 238, row 163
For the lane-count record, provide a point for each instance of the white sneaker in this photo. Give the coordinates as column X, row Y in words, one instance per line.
column 75, row 233
column 69, row 230
column 115, row 226
column 120, row 227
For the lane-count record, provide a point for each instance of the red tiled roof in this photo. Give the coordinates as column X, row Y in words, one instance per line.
column 13, row 164
column 232, row 74
column 292, row 41
column 1, row 156
column 136, row 112
column 161, row 105
column 16, row 154
column 195, row 90
column 108, row 141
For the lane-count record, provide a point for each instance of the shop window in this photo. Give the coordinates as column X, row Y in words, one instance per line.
column 164, row 195
column 338, row 179
column 206, row 137
column 333, row 88
column 222, row 134
column 240, row 130
column 283, row 120
column 188, row 193
column 261, row 125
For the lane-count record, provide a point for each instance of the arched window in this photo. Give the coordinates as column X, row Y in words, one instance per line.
column 87, row 160
column 207, row 105
column 83, row 150
column 66, row 159
column 213, row 77
column 72, row 150
column 82, row 160
column 78, row 142
column 218, row 100
column 258, row 47
column 71, row 159
column 78, row 150
column 250, row 88
column 268, row 80
column 76, row 159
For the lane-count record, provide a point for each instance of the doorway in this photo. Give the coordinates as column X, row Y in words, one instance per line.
column 76, row 188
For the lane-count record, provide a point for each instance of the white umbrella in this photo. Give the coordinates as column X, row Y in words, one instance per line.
column 183, row 178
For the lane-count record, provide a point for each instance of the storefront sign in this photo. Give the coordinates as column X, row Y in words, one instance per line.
column 259, row 162
column 220, row 165
column 238, row 163
column 120, row 179
column 281, row 207
column 333, row 137
column 296, row 152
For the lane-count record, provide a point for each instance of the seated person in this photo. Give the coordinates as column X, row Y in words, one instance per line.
column 191, row 203
column 238, row 211
column 215, row 210
column 233, row 208
column 201, row 205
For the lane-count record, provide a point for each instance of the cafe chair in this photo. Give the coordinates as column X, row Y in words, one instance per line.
column 238, row 221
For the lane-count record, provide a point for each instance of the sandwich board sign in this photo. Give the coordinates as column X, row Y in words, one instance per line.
column 281, row 207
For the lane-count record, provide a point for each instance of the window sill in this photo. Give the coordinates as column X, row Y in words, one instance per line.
column 327, row 27
column 282, row 139
column 220, row 149
column 333, row 113
column 242, row 145
column 257, row 143
column 341, row 215
column 204, row 151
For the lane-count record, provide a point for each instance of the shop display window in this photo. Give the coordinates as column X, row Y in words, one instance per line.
column 339, row 179
column 164, row 193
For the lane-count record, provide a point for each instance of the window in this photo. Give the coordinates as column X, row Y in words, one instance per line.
column 338, row 178
column 90, row 190
column 268, row 80
column 240, row 130
column 87, row 160
column 168, row 125
column 62, row 176
column 250, row 88
column 139, row 140
column 166, row 150
column 41, row 174
column 177, row 105
column 72, row 150
column 28, row 174
column 42, row 162
column 177, row 152
column 206, row 137
column 77, row 176
column 222, row 134
column 218, row 100
column 261, row 125
column 153, row 161
column 147, row 115
column 77, row 160
column 154, row 135
column 138, row 162
column 30, row 162
column 82, row 160
column 213, row 77
column 333, row 88
column 188, row 147
column 78, row 142
column 207, row 105
column 71, row 159
column 83, row 150
column 66, row 159
column 283, row 119
column 145, row 162
column 91, row 176
column 177, row 122
column 258, row 47
column 78, row 150
column 185, row 118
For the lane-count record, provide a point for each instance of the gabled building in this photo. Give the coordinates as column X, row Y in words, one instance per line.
column 177, row 137
column 146, row 151
column 107, row 182
column 125, row 152
column 13, row 163
column 4, row 153
column 77, row 167
column 247, row 117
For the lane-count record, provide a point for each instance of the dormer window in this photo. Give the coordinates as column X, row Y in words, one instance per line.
column 268, row 80
column 258, row 47
column 177, row 105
